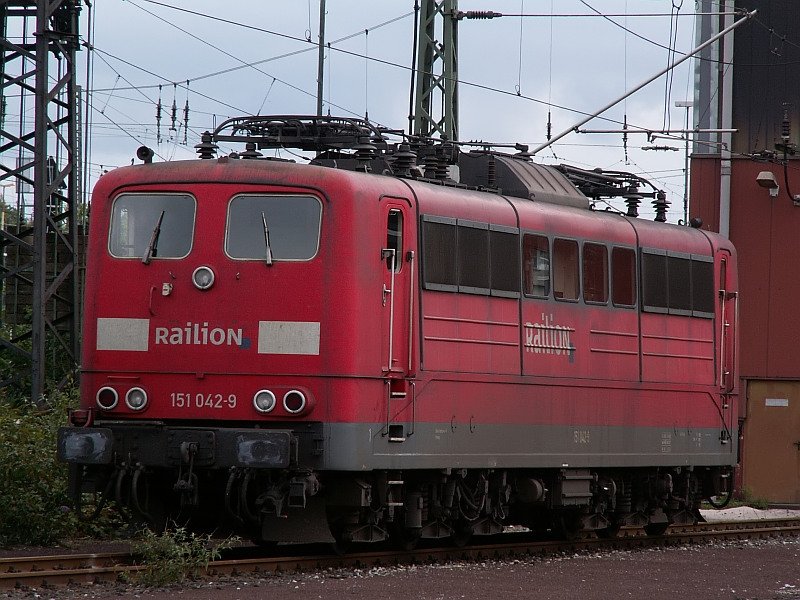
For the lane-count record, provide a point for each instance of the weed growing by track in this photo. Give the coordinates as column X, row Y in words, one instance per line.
column 172, row 556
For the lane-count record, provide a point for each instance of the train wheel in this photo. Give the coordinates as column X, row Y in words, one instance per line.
column 609, row 532
column 342, row 543
column 462, row 534
column 568, row 525
column 406, row 538
column 655, row 528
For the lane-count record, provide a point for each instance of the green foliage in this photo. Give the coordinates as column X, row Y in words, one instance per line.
column 35, row 507
column 174, row 555
column 748, row 499
column 33, row 484
column 15, row 366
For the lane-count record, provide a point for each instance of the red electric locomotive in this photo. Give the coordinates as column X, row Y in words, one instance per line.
column 360, row 347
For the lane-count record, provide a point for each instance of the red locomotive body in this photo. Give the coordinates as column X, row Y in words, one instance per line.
column 390, row 354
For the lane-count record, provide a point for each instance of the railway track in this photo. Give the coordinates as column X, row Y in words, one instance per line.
column 59, row 570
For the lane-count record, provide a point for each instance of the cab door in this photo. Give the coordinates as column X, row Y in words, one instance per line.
column 398, row 266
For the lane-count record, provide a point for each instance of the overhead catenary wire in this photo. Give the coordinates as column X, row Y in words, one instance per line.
column 276, row 85
column 673, row 40
column 245, row 64
column 519, row 57
column 705, row 44
column 372, row 59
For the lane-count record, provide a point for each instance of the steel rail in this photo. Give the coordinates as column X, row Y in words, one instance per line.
column 49, row 571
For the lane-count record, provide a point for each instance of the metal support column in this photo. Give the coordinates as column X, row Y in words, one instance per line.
column 39, row 338
column 437, row 70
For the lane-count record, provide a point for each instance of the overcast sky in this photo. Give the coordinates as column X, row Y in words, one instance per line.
column 509, row 69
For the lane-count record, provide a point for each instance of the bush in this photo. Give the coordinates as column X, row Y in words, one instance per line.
column 33, row 484
column 173, row 555
column 35, row 507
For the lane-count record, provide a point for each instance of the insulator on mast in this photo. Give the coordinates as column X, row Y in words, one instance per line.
column 158, row 116
column 174, row 109
column 625, row 137
column 186, row 117
column 478, row 14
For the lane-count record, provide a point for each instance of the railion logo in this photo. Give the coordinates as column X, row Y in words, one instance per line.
column 549, row 338
column 198, row 334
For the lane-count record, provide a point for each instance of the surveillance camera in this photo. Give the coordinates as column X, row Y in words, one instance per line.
column 766, row 179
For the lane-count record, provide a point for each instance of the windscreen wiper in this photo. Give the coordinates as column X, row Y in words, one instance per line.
column 266, row 238
column 152, row 247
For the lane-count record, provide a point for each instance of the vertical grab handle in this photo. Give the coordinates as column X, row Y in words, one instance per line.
column 732, row 367
column 391, row 255
column 723, row 337
column 411, row 280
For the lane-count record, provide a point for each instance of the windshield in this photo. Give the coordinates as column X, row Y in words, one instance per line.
column 135, row 218
column 283, row 227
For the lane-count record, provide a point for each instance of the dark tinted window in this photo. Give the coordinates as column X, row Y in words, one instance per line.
column 623, row 276
column 470, row 257
column 473, row 257
column 595, row 273
column 654, row 281
column 134, row 218
column 680, row 283
column 536, row 265
column 293, row 223
column 703, row 286
column 566, row 282
column 504, row 261
column 439, row 245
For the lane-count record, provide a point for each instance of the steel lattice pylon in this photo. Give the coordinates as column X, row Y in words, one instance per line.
column 437, row 70
column 39, row 337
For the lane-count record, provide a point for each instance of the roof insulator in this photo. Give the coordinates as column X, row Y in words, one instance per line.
column 250, row 151
column 404, row 160
column 431, row 164
column 632, row 198
column 206, row 148
column 661, row 205
column 365, row 152
column 443, row 153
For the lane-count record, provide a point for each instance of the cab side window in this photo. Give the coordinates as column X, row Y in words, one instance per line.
column 536, row 265
column 566, row 280
column 394, row 239
column 595, row 273
column 623, row 276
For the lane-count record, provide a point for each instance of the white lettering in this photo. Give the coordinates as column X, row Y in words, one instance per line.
column 161, row 335
column 196, row 334
column 234, row 337
column 548, row 338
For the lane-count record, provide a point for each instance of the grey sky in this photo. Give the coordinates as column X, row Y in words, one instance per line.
column 590, row 61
